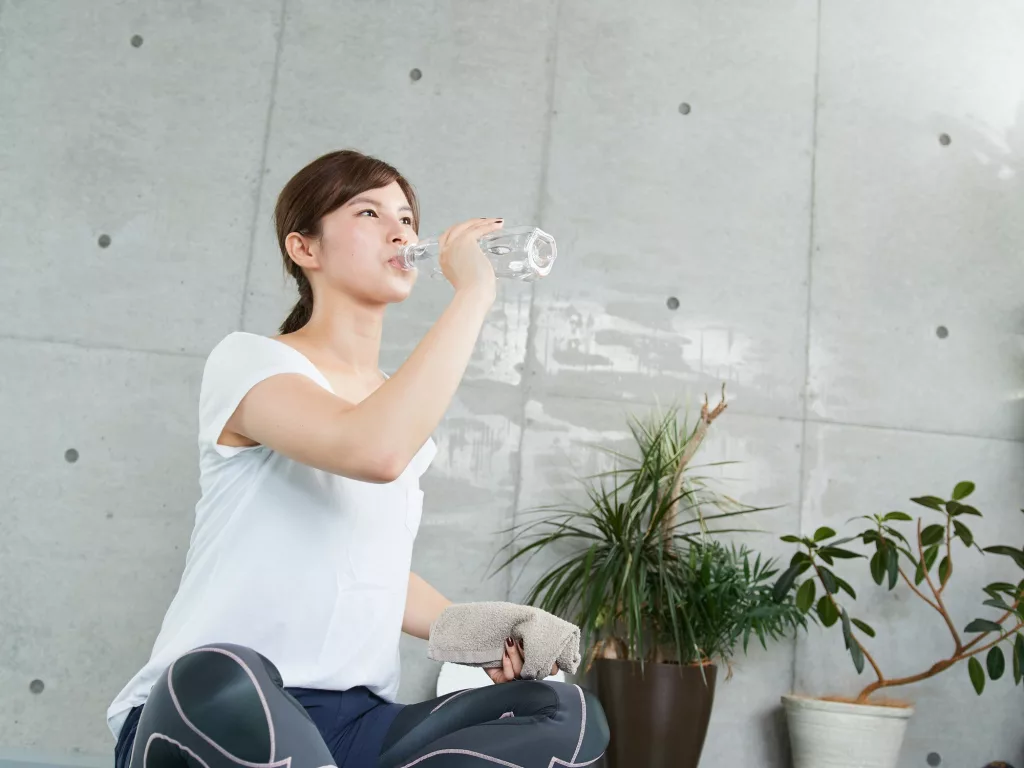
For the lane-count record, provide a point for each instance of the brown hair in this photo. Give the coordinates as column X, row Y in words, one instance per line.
column 321, row 187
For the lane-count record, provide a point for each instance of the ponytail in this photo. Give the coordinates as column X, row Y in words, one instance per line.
column 303, row 309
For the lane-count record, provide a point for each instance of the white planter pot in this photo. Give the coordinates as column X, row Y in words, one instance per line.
column 833, row 734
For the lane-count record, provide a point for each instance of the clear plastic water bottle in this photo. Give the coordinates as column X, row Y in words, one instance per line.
column 517, row 253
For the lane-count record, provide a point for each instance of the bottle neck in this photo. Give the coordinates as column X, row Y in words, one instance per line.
column 425, row 249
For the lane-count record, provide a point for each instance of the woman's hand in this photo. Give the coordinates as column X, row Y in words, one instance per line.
column 462, row 261
column 511, row 663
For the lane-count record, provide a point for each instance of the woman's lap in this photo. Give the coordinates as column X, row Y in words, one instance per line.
column 206, row 712
column 353, row 723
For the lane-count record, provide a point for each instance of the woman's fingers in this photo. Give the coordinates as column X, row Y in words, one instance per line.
column 506, row 662
column 516, row 654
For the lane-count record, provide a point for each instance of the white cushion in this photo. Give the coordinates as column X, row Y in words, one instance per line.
column 457, row 677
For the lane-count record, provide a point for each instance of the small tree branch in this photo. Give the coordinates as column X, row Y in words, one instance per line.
column 936, row 593
column 995, row 642
column 918, row 592
column 933, row 670
column 1000, row 620
column 937, row 667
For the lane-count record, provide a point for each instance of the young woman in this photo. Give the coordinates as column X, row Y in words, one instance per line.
column 281, row 644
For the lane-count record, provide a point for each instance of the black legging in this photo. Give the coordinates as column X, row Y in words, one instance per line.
column 224, row 706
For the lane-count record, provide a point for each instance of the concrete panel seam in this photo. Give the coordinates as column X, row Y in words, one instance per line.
column 100, row 347
column 808, row 306
column 531, row 323
column 254, row 229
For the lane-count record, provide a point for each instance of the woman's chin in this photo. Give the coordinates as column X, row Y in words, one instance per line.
column 399, row 288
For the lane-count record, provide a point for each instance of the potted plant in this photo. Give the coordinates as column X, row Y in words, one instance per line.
column 660, row 602
column 830, row 731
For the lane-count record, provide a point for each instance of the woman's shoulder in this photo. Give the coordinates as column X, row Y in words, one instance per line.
column 244, row 343
column 241, row 350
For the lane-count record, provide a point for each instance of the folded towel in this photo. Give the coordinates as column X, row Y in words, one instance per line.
column 473, row 634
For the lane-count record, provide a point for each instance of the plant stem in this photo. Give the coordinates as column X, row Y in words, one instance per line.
column 937, row 667
column 1001, row 619
column 832, row 599
column 917, row 592
column 696, row 438
column 997, row 641
column 936, row 593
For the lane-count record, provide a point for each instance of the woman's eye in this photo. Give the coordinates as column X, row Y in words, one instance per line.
column 368, row 211
column 407, row 220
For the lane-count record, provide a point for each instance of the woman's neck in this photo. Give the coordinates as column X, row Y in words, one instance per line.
column 347, row 332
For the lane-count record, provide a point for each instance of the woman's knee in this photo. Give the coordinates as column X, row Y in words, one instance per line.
column 596, row 722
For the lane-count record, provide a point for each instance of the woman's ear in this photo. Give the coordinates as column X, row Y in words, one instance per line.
column 301, row 249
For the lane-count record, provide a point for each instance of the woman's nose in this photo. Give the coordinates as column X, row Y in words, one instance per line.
column 400, row 236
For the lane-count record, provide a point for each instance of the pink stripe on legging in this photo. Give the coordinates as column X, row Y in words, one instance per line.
column 211, row 742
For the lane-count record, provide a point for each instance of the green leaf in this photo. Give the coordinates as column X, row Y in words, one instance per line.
column 791, row 539
column 963, row 490
column 963, row 532
column 977, row 674
column 785, row 582
column 897, row 516
column 823, row 533
column 869, row 536
column 996, row 587
column 851, row 643
column 877, row 567
column 1016, row 554
column 805, row 596
column 944, row 570
column 929, row 557
column 998, row 602
column 892, row 564
column 828, row 580
column 858, row 657
column 965, row 509
column 1018, row 659
column 846, row 588
column 996, row 663
column 954, row 508
column 842, row 554
column 932, row 534
column 932, row 502
column 919, row 573
column 827, row 611
column 865, row 628
column 983, row 625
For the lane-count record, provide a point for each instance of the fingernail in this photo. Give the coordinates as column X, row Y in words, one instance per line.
column 508, row 641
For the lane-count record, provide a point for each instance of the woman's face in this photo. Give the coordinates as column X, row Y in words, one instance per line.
column 358, row 242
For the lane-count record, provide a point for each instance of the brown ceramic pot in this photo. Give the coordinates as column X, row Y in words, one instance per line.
column 658, row 719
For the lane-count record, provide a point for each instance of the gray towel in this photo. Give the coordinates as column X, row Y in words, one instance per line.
column 473, row 634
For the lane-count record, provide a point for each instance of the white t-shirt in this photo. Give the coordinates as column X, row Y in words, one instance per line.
column 306, row 567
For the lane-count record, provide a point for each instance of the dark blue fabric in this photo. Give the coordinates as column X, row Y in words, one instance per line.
column 126, row 739
column 353, row 724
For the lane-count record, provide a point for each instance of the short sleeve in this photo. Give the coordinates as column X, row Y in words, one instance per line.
column 237, row 364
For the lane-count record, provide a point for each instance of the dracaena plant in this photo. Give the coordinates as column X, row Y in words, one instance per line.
column 897, row 558
column 644, row 578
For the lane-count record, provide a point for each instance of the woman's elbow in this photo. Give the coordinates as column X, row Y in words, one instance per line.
column 382, row 467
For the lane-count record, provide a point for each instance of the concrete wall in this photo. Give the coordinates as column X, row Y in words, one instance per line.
column 798, row 230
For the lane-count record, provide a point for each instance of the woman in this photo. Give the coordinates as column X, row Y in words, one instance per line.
column 297, row 581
